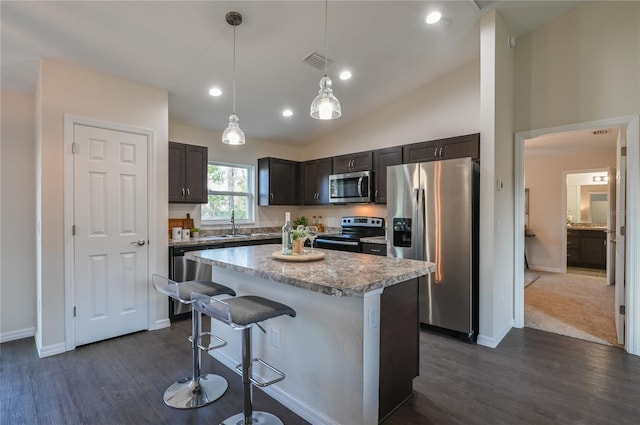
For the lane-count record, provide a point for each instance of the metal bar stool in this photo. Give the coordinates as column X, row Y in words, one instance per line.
column 240, row 313
column 197, row 390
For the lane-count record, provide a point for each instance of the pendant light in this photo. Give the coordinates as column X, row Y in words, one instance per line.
column 233, row 135
column 325, row 106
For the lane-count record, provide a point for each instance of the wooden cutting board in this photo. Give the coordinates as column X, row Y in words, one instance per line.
column 185, row 223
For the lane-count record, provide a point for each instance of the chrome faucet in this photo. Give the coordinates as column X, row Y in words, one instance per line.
column 234, row 228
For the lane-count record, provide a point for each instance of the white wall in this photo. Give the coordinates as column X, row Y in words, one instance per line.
column 65, row 89
column 496, row 181
column 547, row 218
column 449, row 106
column 583, row 66
column 18, row 218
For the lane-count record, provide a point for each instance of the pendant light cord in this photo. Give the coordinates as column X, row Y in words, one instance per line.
column 234, row 69
column 326, row 35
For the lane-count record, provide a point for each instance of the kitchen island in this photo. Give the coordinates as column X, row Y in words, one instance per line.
column 351, row 353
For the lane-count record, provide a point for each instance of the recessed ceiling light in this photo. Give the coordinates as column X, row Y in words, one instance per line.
column 433, row 17
column 287, row 113
column 345, row 75
column 215, row 91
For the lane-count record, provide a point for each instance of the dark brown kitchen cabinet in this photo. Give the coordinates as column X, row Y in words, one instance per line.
column 278, row 182
column 315, row 177
column 360, row 161
column 383, row 158
column 187, row 173
column 587, row 248
column 449, row 148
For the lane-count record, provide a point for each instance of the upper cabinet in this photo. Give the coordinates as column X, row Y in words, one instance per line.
column 383, row 158
column 434, row 150
column 315, row 177
column 278, row 182
column 360, row 161
column 187, row 173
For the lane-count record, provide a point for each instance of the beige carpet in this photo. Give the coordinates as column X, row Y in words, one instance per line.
column 574, row 305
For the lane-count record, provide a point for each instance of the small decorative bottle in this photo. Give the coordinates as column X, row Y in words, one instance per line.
column 320, row 224
column 314, row 221
column 287, row 235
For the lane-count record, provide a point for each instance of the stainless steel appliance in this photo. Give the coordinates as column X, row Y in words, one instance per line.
column 353, row 228
column 181, row 270
column 434, row 213
column 354, row 187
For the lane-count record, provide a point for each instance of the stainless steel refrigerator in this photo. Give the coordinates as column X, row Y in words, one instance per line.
column 433, row 215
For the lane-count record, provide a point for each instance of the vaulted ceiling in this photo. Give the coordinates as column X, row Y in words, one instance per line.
column 186, row 47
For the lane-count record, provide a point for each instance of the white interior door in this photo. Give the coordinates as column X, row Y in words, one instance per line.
column 110, row 242
column 611, row 226
column 620, row 241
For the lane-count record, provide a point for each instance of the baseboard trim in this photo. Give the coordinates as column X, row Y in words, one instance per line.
column 161, row 324
column 299, row 408
column 19, row 334
column 546, row 269
column 50, row 350
column 495, row 341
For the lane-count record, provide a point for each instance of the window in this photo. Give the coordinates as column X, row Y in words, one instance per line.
column 230, row 188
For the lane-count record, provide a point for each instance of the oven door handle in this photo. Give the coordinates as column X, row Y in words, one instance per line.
column 332, row 242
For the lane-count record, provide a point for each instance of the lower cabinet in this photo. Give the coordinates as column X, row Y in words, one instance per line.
column 587, row 248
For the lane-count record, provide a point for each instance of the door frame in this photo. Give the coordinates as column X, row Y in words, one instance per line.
column 632, row 289
column 69, row 243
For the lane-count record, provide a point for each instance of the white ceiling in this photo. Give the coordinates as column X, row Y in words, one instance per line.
column 186, row 47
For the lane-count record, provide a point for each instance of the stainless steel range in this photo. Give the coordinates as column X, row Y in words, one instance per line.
column 353, row 229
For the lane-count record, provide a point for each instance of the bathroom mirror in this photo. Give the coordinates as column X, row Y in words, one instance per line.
column 587, row 198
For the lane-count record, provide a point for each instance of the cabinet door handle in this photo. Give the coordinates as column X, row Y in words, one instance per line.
column 375, row 194
column 435, row 152
column 182, row 192
column 375, row 250
column 188, row 192
column 271, row 196
column 440, row 152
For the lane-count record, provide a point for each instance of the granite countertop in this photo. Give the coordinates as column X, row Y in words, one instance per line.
column 380, row 240
column 214, row 239
column 586, row 227
column 339, row 273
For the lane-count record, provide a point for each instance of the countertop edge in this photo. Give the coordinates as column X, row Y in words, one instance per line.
column 358, row 291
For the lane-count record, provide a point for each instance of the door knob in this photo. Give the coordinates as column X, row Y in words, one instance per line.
column 139, row 242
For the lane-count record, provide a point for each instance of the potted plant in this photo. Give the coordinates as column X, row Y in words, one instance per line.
column 195, row 232
column 299, row 236
column 300, row 221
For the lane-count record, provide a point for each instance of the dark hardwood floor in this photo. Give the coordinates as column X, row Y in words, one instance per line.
column 533, row 377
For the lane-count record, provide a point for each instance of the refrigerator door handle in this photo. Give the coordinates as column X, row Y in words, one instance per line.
column 420, row 225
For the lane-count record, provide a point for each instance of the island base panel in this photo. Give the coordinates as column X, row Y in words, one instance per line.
column 399, row 345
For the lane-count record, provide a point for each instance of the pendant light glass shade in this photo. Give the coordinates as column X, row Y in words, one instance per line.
column 325, row 106
column 233, row 135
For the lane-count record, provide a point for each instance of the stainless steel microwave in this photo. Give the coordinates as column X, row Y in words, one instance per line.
column 351, row 187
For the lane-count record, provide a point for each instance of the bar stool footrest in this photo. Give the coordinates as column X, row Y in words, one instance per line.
column 221, row 342
column 260, row 383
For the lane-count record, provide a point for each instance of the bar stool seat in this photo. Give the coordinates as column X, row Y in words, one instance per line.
column 240, row 313
column 197, row 390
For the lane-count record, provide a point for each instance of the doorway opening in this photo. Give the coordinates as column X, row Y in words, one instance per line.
column 568, row 212
column 627, row 237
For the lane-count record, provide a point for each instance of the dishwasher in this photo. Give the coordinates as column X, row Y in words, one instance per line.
column 181, row 270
